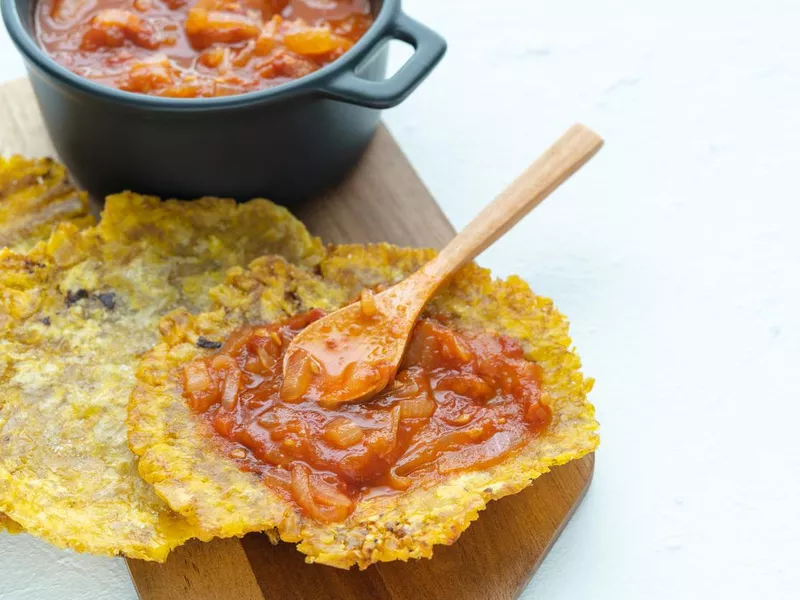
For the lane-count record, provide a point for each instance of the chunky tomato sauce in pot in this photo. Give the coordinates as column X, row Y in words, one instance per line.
column 460, row 401
column 198, row 48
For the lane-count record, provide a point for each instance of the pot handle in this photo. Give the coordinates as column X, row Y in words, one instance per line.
column 429, row 48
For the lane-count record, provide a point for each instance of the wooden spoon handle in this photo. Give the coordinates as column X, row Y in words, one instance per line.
column 550, row 170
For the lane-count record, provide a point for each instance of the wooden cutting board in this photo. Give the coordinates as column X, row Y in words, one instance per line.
column 383, row 200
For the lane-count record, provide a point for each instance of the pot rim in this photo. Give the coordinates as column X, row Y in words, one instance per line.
column 388, row 14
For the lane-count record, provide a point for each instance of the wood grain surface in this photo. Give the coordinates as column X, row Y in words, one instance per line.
column 382, row 200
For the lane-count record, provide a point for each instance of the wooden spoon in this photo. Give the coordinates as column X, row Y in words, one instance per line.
column 353, row 353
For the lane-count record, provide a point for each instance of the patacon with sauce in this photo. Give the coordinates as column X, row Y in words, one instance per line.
column 198, row 48
column 370, row 399
column 488, row 396
column 461, row 400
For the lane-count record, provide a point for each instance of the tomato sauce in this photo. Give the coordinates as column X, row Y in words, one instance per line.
column 198, row 48
column 460, row 401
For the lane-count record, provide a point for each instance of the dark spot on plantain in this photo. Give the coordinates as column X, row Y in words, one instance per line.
column 208, row 344
column 108, row 299
column 76, row 296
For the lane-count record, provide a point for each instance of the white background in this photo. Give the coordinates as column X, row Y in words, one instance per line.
column 675, row 253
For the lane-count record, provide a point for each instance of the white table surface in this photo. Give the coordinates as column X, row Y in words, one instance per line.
column 676, row 255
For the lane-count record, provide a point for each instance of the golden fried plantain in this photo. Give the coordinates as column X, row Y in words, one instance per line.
column 75, row 314
column 36, row 195
column 183, row 460
column 7, row 524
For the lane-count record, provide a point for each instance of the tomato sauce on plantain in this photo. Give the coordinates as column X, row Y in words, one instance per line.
column 460, row 401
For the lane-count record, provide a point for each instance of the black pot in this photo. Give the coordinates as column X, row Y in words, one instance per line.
column 286, row 143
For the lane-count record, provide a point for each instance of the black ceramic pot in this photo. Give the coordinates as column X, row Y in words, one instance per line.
column 286, row 143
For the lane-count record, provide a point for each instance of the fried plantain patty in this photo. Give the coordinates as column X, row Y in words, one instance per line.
column 180, row 457
column 76, row 313
column 36, row 195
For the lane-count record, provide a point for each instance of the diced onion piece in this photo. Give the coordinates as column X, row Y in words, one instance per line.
column 267, row 41
column 149, row 75
column 422, row 346
column 476, row 433
column 461, row 348
column 243, row 56
column 197, row 378
column 395, row 423
column 271, row 453
column 188, row 90
column 354, row 464
column 383, row 442
column 398, row 482
column 199, row 385
column 223, row 362
column 414, row 460
column 411, row 384
column 252, row 364
column 236, row 341
column 224, row 422
column 265, row 358
column 342, row 433
column 461, row 419
column 206, row 27
column 230, row 377
column 299, row 375
column 422, row 456
column 301, row 488
column 467, row 385
column 304, row 496
column 314, row 41
column 326, row 494
column 213, row 57
column 419, row 407
column 283, row 63
column 230, row 389
column 111, row 27
column 264, row 45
